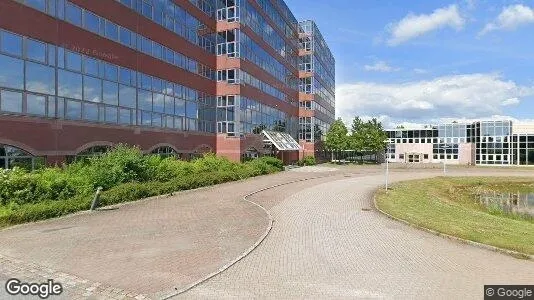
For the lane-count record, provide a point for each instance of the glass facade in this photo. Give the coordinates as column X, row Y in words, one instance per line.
column 493, row 142
column 53, row 77
column 49, row 81
column 318, row 80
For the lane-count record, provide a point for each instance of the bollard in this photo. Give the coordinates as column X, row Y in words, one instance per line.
column 96, row 198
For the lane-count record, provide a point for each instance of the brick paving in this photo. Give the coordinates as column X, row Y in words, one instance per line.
column 148, row 248
column 322, row 245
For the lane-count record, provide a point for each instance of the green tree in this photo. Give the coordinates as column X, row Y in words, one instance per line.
column 336, row 137
column 375, row 136
column 367, row 136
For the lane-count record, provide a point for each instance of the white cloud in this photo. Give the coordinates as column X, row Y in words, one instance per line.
column 511, row 101
column 420, row 71
column 380, row 66
column 510, row 18
column 471, row 4
column 413, row 26
column 456, row 96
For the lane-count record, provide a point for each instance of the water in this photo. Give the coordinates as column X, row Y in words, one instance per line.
column 514, row 203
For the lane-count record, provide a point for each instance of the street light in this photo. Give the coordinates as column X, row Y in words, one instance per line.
column 444, row 147
column 387, row 163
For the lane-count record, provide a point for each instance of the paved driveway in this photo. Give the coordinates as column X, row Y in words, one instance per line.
column 322, row 245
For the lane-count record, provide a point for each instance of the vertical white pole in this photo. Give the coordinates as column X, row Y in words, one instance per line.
column 387, row 167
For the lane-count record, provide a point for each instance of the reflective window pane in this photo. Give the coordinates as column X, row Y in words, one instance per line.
column 11, row 101
column 127, row 96
column 92, row 89
column 145, row 100
column 90, row 66
column 158, row 102
column 73, row 14
column 111, row 92
column 111, row 72
column 125, row 76
column 37, row 4
column 91, row 21
column 36, row 104
column 11, row 72
column 179, row 107
column 125, row 116
column 125, row 36
column 74, row 110
column 191, row 109
column 69, row 84
column 112, row 31
column 36, row 50
column 73, row 61
column 90, row 112
column 40, row 78
column 52, row 55
column 11, row 43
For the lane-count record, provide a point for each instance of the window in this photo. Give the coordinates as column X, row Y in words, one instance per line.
column 73, row 61
column 90, row 66
column 90, row 111
column 158, row 102
column 69, row 84
column 14, row 157
column 425, row 156
column 145, row 100
column 37, row 4
column 147, row 10
column 10, row 101
column 125, row 116
column 73, row 14
column 191, row 109
column 111, row 72
column 125, row 36
column 74, row 110
column 111, row 114
column 36, row 104
column 91, row 22
column 11, row 43
column 110, row 92
column 36, row 50
column 127, row 96
column 112, row 31
column 125, row 76
column 40, row 79
column 92, row 89
column 401, row 156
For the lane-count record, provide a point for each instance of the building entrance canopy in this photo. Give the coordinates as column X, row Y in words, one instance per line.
column 281, row 140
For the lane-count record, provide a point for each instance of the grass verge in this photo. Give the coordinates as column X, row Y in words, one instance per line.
column 448, row 205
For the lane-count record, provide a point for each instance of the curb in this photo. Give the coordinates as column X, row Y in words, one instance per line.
column 255, row 245
column 515, row 254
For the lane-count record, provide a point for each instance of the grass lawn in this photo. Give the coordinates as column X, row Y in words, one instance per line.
column 448, row 205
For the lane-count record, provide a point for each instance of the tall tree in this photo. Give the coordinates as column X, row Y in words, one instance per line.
column 357, row 137
column 336, row 137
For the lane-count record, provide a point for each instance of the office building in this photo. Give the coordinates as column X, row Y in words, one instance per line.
column 172, row 77
column 496, row 142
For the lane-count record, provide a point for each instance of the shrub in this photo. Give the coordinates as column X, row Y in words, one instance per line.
column 124, row 173
column 307, row 161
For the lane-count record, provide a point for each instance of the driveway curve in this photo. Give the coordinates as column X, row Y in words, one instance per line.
column 325, row 243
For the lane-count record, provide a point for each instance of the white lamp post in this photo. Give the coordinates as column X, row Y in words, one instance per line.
column 445, row 147
column 387, row 163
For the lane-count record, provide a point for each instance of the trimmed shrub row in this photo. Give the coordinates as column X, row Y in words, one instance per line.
column 125, row 175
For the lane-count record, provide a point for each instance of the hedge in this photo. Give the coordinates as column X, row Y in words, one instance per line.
column 125, row 174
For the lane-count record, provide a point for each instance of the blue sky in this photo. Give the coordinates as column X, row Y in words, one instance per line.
column 429, row 61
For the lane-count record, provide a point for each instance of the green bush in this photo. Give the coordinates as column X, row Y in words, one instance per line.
column 125, row 175
column 307, row 161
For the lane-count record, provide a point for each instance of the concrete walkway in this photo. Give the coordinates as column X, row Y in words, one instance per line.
column 322, row 245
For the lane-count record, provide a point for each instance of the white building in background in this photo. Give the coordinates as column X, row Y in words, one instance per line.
column 481, row 143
